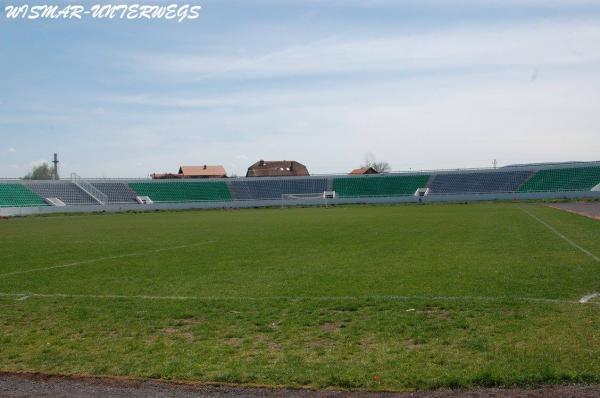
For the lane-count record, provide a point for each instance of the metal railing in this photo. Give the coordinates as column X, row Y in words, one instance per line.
column 88, row 188
column 515, row 167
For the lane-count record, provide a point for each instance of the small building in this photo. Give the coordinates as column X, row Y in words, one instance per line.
column 277, row 168
column 195, row 172
column 364, row 170
column 202, row 171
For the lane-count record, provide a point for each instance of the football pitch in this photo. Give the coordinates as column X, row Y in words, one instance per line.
column 374, row 297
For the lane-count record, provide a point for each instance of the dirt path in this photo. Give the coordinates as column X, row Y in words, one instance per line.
column 33, row 385
column 588, row 209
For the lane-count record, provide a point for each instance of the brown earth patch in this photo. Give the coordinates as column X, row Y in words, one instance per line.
column 411, row 344
column 76, row 337
column 191, row 321
column 187, row 336
column 233, row 342
column 320, row 343
column 332, row 327
column 435, row 313
column 367, row 343
column 274, row 346
column 173, row 333
column 271, row 345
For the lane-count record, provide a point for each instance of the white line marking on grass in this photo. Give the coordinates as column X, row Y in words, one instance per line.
column 290, row 298
column 23, row 298
column 587, row 298
column 95, row 260
column 551, row 228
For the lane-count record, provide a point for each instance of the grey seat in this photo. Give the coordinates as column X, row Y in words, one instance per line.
column 117, row 192
column 68, row 192
column 483, row 182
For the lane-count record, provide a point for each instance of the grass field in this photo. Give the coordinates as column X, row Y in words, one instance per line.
column 377, row 297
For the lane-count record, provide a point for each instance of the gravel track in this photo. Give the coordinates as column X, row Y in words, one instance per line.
column 588, row 209
column 23, row 385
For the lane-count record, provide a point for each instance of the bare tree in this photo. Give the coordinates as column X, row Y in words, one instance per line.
column 40, row 172
column 378, row 166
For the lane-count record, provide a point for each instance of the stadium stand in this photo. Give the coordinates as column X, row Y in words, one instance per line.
column 67, row 192
column 117, row 192
column 349, row 187
column 182, row 191
column 564, row 179
column 249, row 189
column 483, row 182
column 536, row 181
column 16, row 195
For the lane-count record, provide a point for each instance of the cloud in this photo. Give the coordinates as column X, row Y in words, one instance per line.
column 450, row 3
column 450, row 97
column 425, row 122
column 11, row 150
column 573, row 43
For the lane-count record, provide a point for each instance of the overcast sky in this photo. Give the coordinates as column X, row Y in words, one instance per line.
column 421, row 84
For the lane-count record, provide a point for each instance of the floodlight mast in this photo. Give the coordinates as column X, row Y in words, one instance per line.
column 55, row 170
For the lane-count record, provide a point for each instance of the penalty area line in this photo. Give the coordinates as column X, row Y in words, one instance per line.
column 586, row 299
column 99, row 259
column 28, row 295
column 560, row 235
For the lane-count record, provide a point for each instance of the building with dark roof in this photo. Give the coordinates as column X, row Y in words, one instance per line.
column 277, row 168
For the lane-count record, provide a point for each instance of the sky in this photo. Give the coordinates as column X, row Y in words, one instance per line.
column 423, row 84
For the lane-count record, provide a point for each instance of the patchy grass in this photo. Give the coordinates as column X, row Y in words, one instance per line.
column 385, row 297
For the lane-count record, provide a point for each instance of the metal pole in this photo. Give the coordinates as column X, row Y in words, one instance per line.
column 55, row 172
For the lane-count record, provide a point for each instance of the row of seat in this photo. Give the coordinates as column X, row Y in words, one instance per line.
column 183, row 191
column 66, row 191
column 274, row 189
column 32, row 193
column 116, row 192
column 16, row 195
column 556, row 180
column 480, row 182
column 347, row 187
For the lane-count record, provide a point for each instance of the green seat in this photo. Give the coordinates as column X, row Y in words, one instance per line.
column 17, row 195
column 179, row 191
column 568, row 179
column 348, row 187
